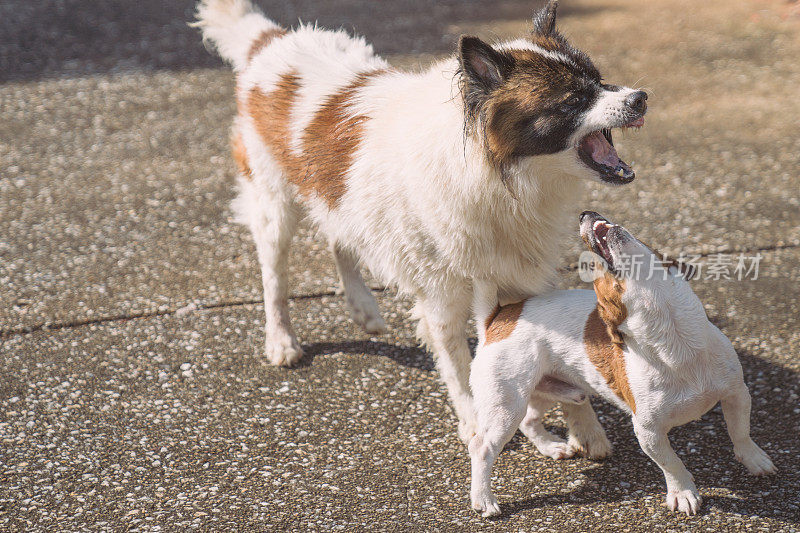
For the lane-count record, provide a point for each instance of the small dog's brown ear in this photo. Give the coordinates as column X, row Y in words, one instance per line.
column 544, row 22
column 616, row 336
column 612, row 311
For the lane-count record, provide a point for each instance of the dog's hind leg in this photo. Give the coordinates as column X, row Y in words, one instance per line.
column 360, row 301
column 736, row 410
column 443, row 328
column 586, row 435
column 267, row 207
column 548, row 444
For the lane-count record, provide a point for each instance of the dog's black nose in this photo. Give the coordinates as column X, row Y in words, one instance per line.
column 583, row 215
column 637, row 101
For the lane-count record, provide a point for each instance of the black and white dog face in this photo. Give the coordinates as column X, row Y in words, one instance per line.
column 541, row 95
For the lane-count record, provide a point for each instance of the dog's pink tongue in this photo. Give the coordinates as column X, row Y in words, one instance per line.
column 600, row 150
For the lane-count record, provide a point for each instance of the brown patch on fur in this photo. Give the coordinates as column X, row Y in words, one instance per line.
column 331, row 139
column 501, row 322
column 551, row 43
column 491, row 317
column 240, row 156
column 609, row 289
column 535, row 83
column 263, row 40
column 328, row 142
column 602, row 338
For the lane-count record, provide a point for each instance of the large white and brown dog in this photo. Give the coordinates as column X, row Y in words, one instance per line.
column 641, row 340
column 459, row 177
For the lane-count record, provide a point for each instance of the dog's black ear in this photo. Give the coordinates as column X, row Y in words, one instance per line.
column 482, row 64
column 544, row 22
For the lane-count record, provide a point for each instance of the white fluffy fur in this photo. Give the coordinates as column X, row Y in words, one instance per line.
column 423, row 210
column 609, row 107
column 232, row 26
column 678, row 364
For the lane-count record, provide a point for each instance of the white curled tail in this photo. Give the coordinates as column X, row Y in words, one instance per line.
column 232, row 27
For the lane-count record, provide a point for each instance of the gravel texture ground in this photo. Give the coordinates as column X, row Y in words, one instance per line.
column 133, row 393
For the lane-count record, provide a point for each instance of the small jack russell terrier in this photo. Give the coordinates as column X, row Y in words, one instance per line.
column 645, row 345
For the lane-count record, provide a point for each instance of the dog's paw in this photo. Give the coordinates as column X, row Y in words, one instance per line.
column 375, row 325
column 486, row 504
column 466, row 430
column 555, row 449
column 684, row 501
column 283, row 351
column 364, row 312
column 594, row 445
column 755, row 460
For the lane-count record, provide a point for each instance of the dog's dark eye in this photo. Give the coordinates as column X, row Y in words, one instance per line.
column 574, row 101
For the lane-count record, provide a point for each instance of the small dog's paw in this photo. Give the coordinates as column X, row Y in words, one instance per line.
column 684, row 501
column 756, row 461
column 466, row 430
column 556, row 450
column 486, row 504
column 594, row 445
column 285, row 351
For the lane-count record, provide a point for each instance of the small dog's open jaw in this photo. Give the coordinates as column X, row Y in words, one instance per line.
column 601, row 236
column 600, row 230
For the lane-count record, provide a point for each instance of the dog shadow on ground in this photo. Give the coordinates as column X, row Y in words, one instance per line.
column 703, row 445
column 706, row 450
column 407, row 356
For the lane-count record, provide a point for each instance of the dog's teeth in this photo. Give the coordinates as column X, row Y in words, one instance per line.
column 597, row 223
column 621, row 172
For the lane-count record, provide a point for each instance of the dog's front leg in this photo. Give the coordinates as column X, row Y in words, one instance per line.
column 736, row 410
column 443, row 328
column 682, row 493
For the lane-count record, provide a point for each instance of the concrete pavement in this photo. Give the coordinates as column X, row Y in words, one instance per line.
column 132, row 392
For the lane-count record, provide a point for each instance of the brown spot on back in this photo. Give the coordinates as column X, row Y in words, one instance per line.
column 328, row 142
column 602, row 338
column 263, row 40
column 240, row 156
column 331, row 139
column 501, row 322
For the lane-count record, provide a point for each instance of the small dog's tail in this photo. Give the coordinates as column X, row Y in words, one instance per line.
column 232, row 27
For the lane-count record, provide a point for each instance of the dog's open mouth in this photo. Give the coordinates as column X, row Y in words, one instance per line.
column 596, row 232
column 600, row 231
column 597, row 151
